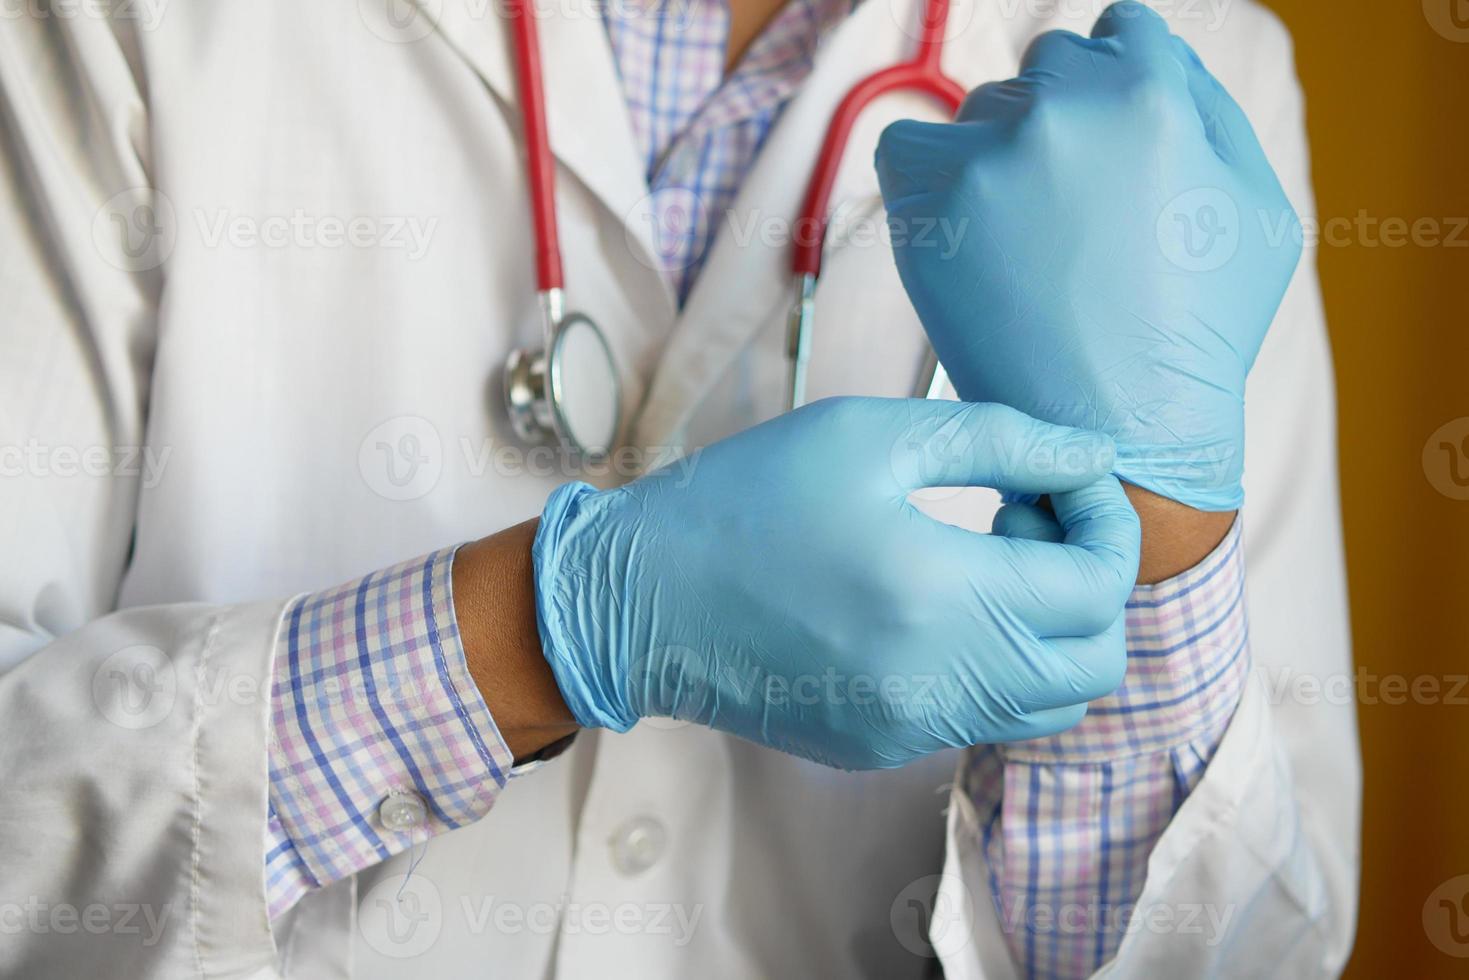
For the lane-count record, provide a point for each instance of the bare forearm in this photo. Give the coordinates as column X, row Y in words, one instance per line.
column 494, row 602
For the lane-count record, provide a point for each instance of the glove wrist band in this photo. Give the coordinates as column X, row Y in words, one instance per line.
column 587, row 676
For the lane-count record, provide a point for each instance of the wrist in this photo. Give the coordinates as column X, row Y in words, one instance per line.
column 494, row 605
column 1175, row 536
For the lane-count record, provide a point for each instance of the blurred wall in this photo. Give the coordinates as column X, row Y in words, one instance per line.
column 1387, row 90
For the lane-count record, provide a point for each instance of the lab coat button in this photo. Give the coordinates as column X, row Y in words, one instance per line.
column 402, row 810
column 637, row 845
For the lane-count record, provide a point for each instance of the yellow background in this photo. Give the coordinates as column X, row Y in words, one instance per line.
column 1388, row 113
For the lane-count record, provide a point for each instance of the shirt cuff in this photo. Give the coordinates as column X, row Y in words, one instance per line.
column 372, row 702
column 1187, row 658
column 1068, row 822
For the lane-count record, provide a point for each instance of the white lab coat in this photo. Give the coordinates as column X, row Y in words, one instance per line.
column 257, row 374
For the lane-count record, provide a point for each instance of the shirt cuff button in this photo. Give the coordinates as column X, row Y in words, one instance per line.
column 402, row 810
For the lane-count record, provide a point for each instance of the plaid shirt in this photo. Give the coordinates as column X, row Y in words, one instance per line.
column 699, row 131
column 1069, row 822
column 372, row 699
column 381, row 739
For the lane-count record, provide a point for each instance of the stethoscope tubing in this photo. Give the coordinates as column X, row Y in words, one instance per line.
column 540, row 165
column 922, row 73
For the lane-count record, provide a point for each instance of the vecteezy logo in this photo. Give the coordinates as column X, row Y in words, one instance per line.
column 933, row 916
column 400, row 21
column 1448, row 18
column 1199, row 230
column 670, row 679
column 1446, row 917
column 911, row 17
column 927, row 456
column 1446, row 459
column 135, row 687
column 402, row 916
column 674, row 217
column 402, row 458
column 135, row 229
column 1455, row 455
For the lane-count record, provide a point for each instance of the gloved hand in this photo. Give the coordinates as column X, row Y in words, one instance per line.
column 786, row 591
column 1124, row 245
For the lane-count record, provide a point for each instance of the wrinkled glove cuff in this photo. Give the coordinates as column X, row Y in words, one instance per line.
column 566, row 592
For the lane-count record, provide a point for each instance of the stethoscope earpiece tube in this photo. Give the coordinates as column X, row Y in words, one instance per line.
column 540, row 166
column 922, row 73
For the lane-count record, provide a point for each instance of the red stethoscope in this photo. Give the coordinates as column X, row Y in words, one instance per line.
column 585, row 417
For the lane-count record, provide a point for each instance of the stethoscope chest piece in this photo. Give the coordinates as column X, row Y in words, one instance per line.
column 585, row 416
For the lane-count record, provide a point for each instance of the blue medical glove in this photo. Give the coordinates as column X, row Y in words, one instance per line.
column 780, row 586
column 1123, row 246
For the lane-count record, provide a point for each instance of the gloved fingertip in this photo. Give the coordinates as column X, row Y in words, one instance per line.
column 1128, row 17
column 1085, row 456
column 1101, row 519
column 1026, row 522
column 1045, row 722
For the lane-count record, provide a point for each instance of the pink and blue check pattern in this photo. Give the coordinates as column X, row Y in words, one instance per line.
column 698, row 130
column 371, row 695
column 1069, row 822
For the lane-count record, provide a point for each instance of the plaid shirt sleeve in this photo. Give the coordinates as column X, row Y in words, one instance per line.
column 372, row 702
column 1068, row 822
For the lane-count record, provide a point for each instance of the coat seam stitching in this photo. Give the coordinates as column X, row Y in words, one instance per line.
column 196, row 831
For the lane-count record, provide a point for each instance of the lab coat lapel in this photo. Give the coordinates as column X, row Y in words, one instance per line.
column 745, row 281
column 590, row 130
